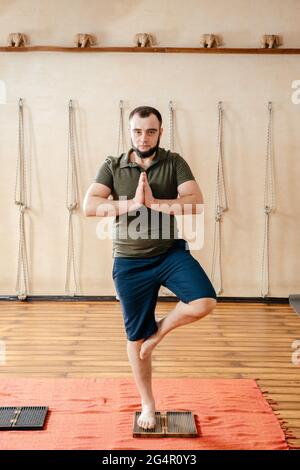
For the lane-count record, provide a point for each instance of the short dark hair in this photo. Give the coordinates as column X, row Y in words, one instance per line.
column 145, row 111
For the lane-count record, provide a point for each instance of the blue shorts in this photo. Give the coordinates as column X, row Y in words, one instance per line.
column 138, row 280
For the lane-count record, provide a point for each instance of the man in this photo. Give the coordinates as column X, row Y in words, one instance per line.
column 156, row 183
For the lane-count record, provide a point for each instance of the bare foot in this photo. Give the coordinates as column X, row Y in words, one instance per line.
column 147, row 417
column 149, row 344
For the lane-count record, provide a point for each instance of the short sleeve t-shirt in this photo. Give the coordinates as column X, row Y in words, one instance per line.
column 144, row 232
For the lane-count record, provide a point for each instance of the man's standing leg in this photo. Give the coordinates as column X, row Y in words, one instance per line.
column 142, row 371
column 138, row 290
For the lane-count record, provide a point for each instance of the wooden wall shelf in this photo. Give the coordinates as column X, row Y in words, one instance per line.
column 143, row 50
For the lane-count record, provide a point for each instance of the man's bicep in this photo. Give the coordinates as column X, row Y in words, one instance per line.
column 96, row 190
column 99, row 190
column 188, row 188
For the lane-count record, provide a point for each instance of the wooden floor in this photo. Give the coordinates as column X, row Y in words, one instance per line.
column 86, row 339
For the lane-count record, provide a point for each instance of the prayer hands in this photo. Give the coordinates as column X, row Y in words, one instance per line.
column 143, row 194
column 149, row 199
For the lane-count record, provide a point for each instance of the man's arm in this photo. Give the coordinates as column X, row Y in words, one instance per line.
column 97, row 204
column 189, row 200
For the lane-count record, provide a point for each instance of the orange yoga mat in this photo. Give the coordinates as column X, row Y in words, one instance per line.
column 98, row 414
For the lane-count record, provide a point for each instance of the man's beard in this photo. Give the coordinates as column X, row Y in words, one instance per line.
column 147, row 153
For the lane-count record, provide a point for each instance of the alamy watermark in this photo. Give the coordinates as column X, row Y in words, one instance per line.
column 155, row 224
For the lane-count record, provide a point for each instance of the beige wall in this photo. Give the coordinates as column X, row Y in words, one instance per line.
column 244, row 83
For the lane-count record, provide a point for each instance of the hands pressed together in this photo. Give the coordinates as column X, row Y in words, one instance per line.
column 143, row 194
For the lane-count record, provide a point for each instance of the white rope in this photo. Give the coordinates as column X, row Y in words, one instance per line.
column 164, row 291
column 121, row 140
column 171, row 127
column 220, row 207
column 269, row 207
column 71, row 199
column 21, row 201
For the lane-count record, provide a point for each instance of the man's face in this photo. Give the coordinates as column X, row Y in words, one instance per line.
column 145, row 134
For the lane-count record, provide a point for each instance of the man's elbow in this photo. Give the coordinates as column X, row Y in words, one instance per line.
column 199, row 198
column 87, row 211
column 87, row 214
column 198, row 207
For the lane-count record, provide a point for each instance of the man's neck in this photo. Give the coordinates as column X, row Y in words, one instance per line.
column 143, row 162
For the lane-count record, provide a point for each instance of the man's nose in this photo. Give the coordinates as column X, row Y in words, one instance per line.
column 144, row 136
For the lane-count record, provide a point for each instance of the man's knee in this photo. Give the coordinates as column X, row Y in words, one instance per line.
column 135, row 341
column 202, row 307
column 134, row 344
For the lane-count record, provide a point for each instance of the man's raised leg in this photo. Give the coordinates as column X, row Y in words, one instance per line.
column 181, row 315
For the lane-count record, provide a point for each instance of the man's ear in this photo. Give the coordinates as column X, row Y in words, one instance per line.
column 161, row 131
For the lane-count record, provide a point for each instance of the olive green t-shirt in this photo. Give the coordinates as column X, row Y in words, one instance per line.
column 144, row 232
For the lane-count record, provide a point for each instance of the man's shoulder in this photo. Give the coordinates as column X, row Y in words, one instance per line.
column 114, row 161
column 168, row 154
column 173, row 158
column 179, row 164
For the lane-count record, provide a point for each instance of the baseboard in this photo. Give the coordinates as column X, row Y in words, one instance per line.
column 110, row 298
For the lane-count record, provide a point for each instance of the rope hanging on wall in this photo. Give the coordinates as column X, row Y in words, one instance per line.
column 220, row 207
column 171, row 127
column 72, row 198
column 21, row 201
column 269, row 207
column 121, row 140
column 164, row 291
